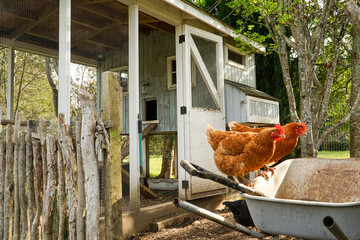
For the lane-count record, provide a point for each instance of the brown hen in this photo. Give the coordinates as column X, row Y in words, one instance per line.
column 240, row 153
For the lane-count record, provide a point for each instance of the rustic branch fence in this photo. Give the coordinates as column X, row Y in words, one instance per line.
column 49, row 184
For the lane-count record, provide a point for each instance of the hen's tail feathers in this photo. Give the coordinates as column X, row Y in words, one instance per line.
column 232, row 124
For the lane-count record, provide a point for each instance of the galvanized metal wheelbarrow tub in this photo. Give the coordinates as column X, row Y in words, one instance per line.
column 305, row 198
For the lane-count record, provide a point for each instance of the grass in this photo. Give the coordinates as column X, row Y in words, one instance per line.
column 155, row 165
column 333, row 154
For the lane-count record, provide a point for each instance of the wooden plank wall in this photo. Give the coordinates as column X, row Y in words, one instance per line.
column 247, row 76
column 154, row 50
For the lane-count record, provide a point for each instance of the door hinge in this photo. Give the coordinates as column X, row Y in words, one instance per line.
column 182, row 110
column 185, row 184
column 181, row 38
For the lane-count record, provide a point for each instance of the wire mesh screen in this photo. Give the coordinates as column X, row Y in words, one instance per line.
column 338, row 140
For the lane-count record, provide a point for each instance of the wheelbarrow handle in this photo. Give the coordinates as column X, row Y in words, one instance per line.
column 195, row 170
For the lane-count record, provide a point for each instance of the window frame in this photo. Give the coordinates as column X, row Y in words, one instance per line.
column 236, row 51
column 169, row 73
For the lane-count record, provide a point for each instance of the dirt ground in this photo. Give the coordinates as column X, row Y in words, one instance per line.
column 198, row 229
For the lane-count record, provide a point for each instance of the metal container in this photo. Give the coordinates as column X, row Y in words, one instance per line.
column 302, row 192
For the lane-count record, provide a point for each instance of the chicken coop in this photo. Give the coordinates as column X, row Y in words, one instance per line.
column 177, row 65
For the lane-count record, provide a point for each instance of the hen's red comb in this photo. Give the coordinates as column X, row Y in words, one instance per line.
column 303, row 125
column 278, row 126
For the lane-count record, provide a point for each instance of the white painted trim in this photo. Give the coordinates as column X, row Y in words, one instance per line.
column 212, row 21
column 235, row 64
column 204, row 72
column 10, row 84
column 31, row 48
column 134, row 102
column 169, row 72
column 64, row 58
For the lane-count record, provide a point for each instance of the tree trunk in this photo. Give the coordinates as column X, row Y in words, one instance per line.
column 49, row 195
column 90, row 164
column 30, row 172
column 2, row 184
column 8, row 181
column 38, row 188
column 80, row 227
column 353, row 12
column 52, row 84
column 167, row 156
column 355, row 91
column 16, row 222
column 22, row 188
column 68, row 152
column 61, row 196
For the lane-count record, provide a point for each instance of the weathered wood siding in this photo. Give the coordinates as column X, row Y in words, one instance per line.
column 245, row 76
column 248, row 109
column 154, row 50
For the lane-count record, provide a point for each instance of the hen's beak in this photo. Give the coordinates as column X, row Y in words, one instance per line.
column 282, row 135
column 305, row 133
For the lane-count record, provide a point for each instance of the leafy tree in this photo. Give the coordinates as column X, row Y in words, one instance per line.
column 312, row 32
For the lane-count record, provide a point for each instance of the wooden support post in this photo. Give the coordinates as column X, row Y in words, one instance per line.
column 10, row 84
column 112, row 110
column 61, row 195
column 64, row 57
column 134, row 109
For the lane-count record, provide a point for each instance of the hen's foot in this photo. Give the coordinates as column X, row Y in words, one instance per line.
column 265, row 172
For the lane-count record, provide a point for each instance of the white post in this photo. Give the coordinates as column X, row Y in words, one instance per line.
column 134, row 107
column 10, row 84
column 64, row 58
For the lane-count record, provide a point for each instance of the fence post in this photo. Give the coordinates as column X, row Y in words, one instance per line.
column 112, row 111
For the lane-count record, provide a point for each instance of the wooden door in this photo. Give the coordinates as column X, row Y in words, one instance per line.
column 201, row 102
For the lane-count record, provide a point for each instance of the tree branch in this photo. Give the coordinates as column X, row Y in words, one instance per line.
column 336, row 125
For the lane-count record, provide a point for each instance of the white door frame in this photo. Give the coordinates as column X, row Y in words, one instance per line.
column 189, row 128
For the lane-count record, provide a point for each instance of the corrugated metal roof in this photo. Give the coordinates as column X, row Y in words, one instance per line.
column 251, row 91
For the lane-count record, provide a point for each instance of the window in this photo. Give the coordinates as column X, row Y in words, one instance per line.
column 235, row 58
column 171, row 72
column 122, row 77
column 150, row 109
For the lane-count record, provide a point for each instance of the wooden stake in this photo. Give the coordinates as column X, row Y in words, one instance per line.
column 80, row 227
column 42, row 133
column 38, row 188
column 16, row 226
column 49, row 196
column 61, row 195
column 2, row 183
column 8, row 180
column 90, row 164
column 22, row 186
column 68, row 153
column 30, row 172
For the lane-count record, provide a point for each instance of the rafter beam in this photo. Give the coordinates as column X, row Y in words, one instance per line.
column 48, row 11
column 92, row 35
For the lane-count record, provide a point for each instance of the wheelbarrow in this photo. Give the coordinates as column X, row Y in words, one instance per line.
column 305, row 198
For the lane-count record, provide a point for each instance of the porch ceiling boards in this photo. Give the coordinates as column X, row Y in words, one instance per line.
column 97, row 26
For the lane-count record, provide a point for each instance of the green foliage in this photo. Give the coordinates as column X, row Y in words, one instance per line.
column 32, row 92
